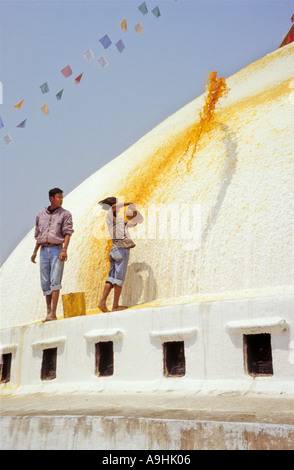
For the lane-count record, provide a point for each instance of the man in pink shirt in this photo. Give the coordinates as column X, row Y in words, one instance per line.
column 53, row 230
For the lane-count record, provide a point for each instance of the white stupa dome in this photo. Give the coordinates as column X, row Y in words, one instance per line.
column 240, row 175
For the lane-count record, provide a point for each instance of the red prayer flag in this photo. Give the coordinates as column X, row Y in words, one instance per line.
column 78, row 79
column 292, row 18
column 66, row 72
column 289, row 37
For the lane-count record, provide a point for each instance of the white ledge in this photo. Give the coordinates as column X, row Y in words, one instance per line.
column 8, row 348
column 258, row 325
column 50, row 343
column 174, row 335
column 94, row 336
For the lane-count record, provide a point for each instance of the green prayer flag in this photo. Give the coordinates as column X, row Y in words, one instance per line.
column 156, row 12
column 44, row 88
column 59, row 95
column 143, row 8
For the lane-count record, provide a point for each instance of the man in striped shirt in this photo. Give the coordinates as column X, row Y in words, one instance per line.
column 53, row 230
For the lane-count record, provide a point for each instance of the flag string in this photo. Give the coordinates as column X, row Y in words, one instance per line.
column 67, row 72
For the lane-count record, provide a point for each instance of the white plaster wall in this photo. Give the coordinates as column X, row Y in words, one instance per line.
column 241, row 175
column 212, row 332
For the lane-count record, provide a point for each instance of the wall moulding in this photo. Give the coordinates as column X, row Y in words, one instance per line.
column 258, row 325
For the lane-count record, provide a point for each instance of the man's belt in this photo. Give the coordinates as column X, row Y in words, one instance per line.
column 51, row 244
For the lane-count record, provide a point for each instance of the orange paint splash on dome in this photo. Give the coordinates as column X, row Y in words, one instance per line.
column 216, row 88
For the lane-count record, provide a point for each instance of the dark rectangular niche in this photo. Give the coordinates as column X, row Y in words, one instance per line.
column 104, row 358
column 6, row 367
column 49, row 363
column 258, row 354
column 174, row 359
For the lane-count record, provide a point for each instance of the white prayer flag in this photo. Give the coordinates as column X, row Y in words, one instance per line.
column 88, row 55
column 7, row 139
column 102, row 62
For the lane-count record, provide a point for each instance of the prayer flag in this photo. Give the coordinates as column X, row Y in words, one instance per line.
column 59, row 94
column 156, row 12
column 78, row 79
column 44, row 109
column 292, row 18
column 289, row 37
column 123, row 25
column 120, row 46
column 143, row 8
column 102, row 62
column 66, row 72
column 44, row 88
column 22, row 124
column 138, row 28
column 88, row 55
column 1, row 123
column 19, row 105
column 7, row 139
column 105, row 41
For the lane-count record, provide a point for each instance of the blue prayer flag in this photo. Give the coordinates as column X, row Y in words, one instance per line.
column 22, row 124
column 105, row 41
column 120, row 46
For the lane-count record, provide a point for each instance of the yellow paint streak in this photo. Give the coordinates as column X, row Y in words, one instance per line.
column 216, row 88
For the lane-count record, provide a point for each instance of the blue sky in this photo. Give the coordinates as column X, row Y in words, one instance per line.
column 160, row 71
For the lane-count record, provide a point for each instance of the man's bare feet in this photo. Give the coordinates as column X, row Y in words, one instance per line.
column 102, row 307
column 49, row 318
column 119, row 307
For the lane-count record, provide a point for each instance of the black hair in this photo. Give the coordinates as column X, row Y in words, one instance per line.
column 54, row 191
column 109, row 201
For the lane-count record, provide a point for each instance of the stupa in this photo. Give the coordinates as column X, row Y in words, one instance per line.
column 203, row 352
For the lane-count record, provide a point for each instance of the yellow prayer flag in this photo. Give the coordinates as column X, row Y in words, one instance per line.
column 123, row 25
column 44, row 109
column 19, row 105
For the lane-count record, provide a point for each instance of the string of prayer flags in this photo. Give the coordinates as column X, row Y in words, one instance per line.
column 88, row 55
column 138, row 28
column 22, row 124
column 120, row 46
column 156, row 12
column 123, row 25
column 78, row 79
column 44, row 109
column 19, row 105
column 102, row 62
column 67, row 71
column 143, row 8
column 7, row 139
column 105, row 41
column 44, row 88
column 59, row 95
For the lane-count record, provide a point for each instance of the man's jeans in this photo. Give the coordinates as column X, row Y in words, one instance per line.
column 119, row 258
column 51, row 268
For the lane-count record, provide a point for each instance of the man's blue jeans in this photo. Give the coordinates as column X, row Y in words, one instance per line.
column 51, row 268
column 119, row 258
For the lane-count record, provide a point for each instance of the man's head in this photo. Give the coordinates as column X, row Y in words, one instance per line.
column 108, row 202
column 56, row 197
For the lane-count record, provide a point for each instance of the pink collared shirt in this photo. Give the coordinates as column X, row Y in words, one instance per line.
column 52, row 227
